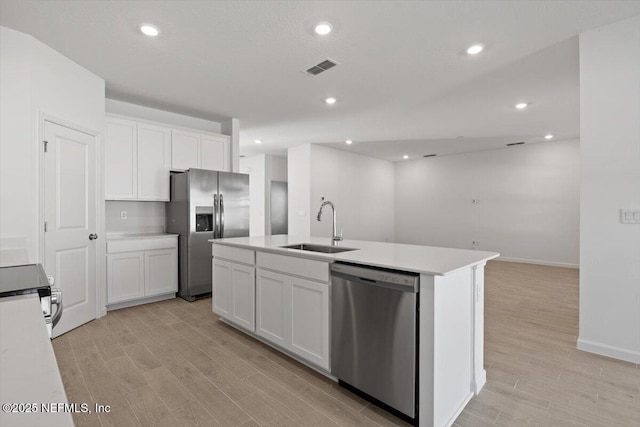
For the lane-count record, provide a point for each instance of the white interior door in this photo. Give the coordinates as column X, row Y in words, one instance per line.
column 70, row 173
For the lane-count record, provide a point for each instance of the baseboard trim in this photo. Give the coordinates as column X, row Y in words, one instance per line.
column 458, row 411
column 147, row 300
column 538, row 262
column 479, row 382
column 609, row 351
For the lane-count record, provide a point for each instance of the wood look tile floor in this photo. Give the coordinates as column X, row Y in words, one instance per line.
column 172, row 363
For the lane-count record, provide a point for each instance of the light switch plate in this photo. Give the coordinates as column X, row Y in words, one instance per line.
column 630, row 216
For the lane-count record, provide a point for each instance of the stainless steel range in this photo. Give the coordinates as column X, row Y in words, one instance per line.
column 31, row 279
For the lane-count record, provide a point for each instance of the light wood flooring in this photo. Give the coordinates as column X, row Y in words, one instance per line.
column 173, row 363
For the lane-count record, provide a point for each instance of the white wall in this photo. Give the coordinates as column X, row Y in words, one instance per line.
column 299, row 178
column 610, row 157
column 255, row 167
column 262, row 169
column 35, row 79
column 275, row 170
column 528, row 197
column 126, row 109
column 361, row 188
column 142, row 217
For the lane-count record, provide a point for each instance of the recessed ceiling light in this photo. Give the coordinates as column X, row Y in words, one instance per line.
column 522, row 105
column 475, row 49
column 323, row 28
column 149, row 30
column 406, row 156
column 330, row 100
column 258, row 141
column 348, row 142
column 549, row 136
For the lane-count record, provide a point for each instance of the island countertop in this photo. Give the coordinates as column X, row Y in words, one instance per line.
column 431, row 260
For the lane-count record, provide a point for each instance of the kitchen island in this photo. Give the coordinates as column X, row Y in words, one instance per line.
column 281, row 296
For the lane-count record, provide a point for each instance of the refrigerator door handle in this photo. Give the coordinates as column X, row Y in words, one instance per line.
column 221, row 217
column 215, row 216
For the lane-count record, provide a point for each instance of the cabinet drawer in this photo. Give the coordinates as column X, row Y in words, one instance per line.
column 317, row 270
column 244, row 256
column 130, row 245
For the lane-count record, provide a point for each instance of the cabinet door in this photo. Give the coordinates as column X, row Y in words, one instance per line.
column 121, row 159
column 272, row 307
column 310, row 321
column 161, row 272
column 243, row 294
column 214, row 153
column 125, row 276
column 221, row 287
column 185, row 147
column 154, row 151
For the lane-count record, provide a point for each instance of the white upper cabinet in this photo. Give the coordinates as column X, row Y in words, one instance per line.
column 214, row 152
column 196, row 150
column 154, row 152
column 121, row 150
column 139, row 156
column 185, row 147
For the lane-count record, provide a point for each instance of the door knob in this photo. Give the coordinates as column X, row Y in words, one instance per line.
column 93, row 236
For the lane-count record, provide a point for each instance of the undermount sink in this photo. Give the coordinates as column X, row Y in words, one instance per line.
column 318, row 248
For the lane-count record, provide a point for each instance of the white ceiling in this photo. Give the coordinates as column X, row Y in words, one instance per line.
column 404, row 79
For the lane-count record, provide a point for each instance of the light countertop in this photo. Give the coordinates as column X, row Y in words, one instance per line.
column 28, row 366
column 420, row 259
column 115, row 236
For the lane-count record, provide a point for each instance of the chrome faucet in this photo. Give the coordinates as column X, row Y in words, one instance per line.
column 335, row 237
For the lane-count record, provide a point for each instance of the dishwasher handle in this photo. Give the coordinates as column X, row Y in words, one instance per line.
column 400, row 281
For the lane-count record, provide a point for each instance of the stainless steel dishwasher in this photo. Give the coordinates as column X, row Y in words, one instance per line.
column 374, row 325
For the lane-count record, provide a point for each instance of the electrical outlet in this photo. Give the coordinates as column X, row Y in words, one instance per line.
column 475, row 201
column 123, row 215
column 475, row 244
column 630, row 216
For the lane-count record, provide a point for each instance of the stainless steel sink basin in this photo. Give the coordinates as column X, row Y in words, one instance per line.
column 318, row 248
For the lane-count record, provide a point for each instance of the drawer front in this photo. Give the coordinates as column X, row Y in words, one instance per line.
column 317, row 270
column 243, row 256
column 124, row 245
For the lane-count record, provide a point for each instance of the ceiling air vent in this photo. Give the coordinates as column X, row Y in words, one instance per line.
column 321, row 67
column 429, row 155
column 515, row 143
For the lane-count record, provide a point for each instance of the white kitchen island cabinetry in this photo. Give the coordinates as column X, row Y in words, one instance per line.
column 233, row 286
column 293, row 304
column 141, row 269
column 292, row 308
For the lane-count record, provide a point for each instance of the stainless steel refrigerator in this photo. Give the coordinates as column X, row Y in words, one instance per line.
column 204, row 205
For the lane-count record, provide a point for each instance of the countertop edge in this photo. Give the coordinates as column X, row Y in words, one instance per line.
column 336, row 257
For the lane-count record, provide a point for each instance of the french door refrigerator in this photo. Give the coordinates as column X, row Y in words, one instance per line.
column 204, row 205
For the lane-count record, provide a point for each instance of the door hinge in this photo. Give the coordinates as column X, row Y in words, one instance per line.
column 46, row 227
column 45, row 144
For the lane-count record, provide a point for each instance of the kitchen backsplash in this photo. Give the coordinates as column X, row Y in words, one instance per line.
column 142, row 217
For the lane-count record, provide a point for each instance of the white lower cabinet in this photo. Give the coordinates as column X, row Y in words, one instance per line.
column 234, row 290
column 310, row 321
column 125, row 276
column 282, row 299
column 271, row 307
column 221, row 288
column 294, row 313
column 141, row 268
column 160, row 272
